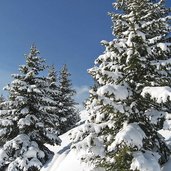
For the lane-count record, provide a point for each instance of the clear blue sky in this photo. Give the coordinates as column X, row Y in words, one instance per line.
column 65, row 32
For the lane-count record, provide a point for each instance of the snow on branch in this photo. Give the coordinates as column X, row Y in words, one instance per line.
column 120, row 92
column 160, row 94
column 145, row 161
column 131, row 135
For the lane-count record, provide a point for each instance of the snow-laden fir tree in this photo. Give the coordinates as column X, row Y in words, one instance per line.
column 25, row 124
column 67, row 110
column 128, row 105
column 53, row 94
column 2, row 99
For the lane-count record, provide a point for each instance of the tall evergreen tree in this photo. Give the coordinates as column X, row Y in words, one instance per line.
column 53, row 94
column 129, row 104
column 67, row 110
column 25, row 124
column 2, row 99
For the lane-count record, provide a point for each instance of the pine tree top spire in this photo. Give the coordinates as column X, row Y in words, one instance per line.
column 52, row 74
column 65, row 70
column 34, row 63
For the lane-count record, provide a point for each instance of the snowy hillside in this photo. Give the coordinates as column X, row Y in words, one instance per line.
column 66, row 159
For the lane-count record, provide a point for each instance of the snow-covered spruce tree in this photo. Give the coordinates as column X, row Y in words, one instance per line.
column 53, row 93
column 129, row 104
column 2, row 99
column 67, row 112
column 24, row 124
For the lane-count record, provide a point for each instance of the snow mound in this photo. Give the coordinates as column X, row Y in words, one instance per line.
column 145, row 161
column 167, row 166
column 66, row 158
column 72, row 161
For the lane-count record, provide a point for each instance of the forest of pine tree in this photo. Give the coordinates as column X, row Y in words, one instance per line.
column 128, row 105
column 32, row 116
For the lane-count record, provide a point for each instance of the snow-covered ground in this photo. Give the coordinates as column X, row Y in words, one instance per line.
column 66, row 159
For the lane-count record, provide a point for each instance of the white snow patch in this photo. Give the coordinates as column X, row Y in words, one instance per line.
column 6, row 122
column 65, row 159
column 83, row 116
column 72, row 161
column 120, row 92
column 131, row 134
column 145, row 161
column 160, row 94
column 154, row 115
column 162, row 46
column 167, row 166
